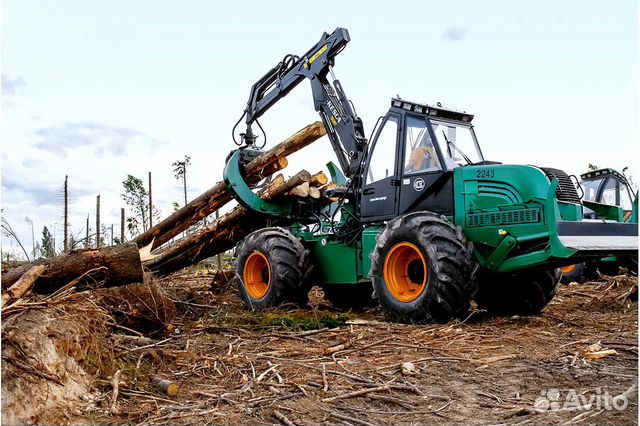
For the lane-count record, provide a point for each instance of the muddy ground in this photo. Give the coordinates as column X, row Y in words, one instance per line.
column 287, row 366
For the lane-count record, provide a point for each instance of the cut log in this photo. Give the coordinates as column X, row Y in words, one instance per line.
column 216, row 197
column 319, row 179
column 118, row 265
column 276, row 189
column 167, row 386
column 24, row 284
column 314, row 192
column 222, row 234
column 301, row 190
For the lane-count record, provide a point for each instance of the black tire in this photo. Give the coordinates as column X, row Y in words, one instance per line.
column 285, row 273
column 451, row 267
column 349, row 296
column 525, row 293
column 575, row 275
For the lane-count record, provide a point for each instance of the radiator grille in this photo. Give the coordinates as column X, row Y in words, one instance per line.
column 507, row 217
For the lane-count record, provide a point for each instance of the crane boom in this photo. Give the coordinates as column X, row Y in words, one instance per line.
column 344, row 127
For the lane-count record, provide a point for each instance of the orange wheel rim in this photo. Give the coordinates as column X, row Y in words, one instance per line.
column 405, row 272
column 568, row 269
column 257, row 275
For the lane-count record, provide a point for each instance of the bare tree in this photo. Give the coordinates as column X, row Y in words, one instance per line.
column 180, row 172
column 8, row 231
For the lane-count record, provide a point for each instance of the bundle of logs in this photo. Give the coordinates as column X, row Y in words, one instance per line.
column 119, row 265
column 223, row 233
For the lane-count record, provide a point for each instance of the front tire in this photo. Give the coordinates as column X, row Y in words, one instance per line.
column 272, row 269
column 525, row 293
column 572, row 273
column 423, row 269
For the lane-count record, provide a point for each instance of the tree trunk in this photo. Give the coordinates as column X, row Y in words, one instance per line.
column 122, row 263
column 223, row 233
column 261, row 167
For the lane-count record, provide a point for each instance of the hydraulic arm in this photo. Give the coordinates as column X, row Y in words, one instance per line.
column 344, row 127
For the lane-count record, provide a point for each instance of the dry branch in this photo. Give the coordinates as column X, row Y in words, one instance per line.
column 24, row 284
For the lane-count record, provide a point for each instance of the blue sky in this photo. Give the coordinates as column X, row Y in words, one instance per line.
column 99, row 90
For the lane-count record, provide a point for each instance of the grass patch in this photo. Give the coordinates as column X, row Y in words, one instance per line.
column 303, row 322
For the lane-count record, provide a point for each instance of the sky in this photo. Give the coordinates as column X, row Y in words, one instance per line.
column 99, row 90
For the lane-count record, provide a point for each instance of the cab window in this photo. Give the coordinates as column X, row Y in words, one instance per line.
column 419, row 153
column 609, row 193
column 591, row 189
column 626, row 202
column 383, row 157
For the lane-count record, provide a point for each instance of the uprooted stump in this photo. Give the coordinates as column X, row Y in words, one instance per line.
column 50, row 358
column 144, row 308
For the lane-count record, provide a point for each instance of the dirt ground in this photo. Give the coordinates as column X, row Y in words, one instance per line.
column 323, row 366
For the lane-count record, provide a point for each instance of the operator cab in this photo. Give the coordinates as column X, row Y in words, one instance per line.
column 412, row 157
column 606, row 186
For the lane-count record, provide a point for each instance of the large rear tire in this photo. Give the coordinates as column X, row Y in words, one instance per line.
column 272, row 269
column 526, row 293
column 423, row 269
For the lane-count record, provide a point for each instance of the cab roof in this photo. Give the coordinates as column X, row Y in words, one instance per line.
column 432, row 111
column 601, row 173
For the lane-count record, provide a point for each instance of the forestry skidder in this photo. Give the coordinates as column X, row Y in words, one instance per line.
column 418, row 219
column 607, row 196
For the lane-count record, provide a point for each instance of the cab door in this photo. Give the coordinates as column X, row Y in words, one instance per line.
column 380, row 192
column 424, row 183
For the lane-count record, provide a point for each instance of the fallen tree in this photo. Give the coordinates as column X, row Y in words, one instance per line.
column 210, row 201
column 115, row 265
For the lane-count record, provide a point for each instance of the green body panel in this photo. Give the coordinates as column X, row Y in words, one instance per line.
column 369, row 236
column 336, row 174
column 335, row 262
column 606, row 211
column 338, row 263
column 511, row 207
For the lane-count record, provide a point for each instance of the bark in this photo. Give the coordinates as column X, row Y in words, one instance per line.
column 167, row 386
column 118, row 265
column 207, row 203
column 222, row 234
column 24, row 284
